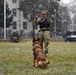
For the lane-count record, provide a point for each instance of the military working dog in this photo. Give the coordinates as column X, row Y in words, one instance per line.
column 39, row 57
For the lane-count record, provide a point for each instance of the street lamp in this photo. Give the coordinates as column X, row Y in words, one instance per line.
column 4, row 19
column 55, row 21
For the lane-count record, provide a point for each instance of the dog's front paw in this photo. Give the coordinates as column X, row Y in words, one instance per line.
column 40, row 62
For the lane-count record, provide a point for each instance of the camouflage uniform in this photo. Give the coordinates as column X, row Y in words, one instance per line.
column 44, row 32
column 44, row 37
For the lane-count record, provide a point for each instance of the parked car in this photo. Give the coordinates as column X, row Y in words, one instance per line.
column 70, row 36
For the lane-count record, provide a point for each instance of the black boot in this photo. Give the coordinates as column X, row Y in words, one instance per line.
column 46, row 52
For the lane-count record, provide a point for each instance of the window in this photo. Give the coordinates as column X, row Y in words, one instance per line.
column 14, row 12
column 21, row 32
column 14, row 25
column 24, row 25
column 14, row 1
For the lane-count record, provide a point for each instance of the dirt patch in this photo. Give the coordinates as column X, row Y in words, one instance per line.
column 1, row 73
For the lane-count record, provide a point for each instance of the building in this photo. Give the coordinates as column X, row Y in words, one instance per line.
column 23, row 26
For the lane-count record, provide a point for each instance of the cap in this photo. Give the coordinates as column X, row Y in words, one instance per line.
column 43, row 12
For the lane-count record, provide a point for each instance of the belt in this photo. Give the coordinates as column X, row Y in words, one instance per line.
column 44, row 30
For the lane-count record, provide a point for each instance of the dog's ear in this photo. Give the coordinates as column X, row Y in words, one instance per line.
column 38, row 39
column 33, row 40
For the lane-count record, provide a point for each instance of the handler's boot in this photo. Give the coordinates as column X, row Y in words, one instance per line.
column 46, row 48
column 46, row 52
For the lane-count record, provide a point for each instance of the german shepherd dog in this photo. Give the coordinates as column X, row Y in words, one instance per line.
column 39, row 57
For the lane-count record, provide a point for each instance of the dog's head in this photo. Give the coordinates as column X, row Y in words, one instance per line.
column 40, row 57
column 36, row 41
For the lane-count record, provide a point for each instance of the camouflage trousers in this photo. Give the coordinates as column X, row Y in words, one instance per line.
column 44, row 38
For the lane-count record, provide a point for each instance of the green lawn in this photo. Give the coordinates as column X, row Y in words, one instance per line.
column 17, row 59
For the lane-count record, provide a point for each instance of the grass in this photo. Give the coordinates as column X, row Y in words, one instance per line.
column 17, row 59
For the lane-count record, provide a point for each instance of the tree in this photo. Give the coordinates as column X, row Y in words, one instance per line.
column 8, row 15
column 33, row 7
column 65, row 18
column 74, row 19
column 1, row 13
column 36, row 6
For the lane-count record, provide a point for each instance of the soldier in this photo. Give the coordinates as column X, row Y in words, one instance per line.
column 44, row 33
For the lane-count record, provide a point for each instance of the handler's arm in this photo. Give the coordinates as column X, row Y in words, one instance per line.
column 36, row 21
column 49, row 20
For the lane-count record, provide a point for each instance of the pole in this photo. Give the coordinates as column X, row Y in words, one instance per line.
column 33, row 30
column 55, row 21
column 4, row 19
column 33, row 26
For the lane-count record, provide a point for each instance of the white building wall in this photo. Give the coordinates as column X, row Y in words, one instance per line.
column 20, row 19
column 15, row 18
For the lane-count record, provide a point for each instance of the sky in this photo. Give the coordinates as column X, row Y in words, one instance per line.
column 66, row 1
